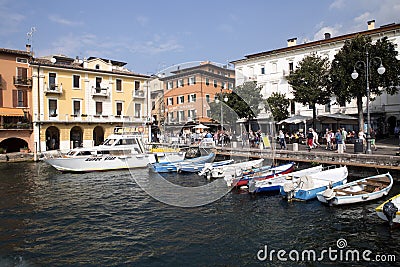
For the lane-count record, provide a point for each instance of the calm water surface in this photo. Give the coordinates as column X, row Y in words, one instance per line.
column 106, row 219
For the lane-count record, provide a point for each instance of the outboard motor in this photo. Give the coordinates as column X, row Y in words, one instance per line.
column 390, row 209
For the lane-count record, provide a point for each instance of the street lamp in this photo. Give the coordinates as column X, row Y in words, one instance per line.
column 222, row 114
column 354, row 75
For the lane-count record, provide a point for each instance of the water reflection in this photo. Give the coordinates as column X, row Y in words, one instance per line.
column 53, row 219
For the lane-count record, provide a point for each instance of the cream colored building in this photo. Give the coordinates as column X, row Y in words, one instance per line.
column 80, row 102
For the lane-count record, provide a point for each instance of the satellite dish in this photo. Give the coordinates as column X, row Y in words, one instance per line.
column 53, row 60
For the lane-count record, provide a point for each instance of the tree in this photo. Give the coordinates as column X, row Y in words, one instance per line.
column 309, row 82
column 345, row 61
column 243, row 102
column 278, row 105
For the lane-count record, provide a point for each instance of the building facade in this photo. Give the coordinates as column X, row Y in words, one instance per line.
column 188, row 91
column 15, row 100
column 80, row 102
column 269, row 69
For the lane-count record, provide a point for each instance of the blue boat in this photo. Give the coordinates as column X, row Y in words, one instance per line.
column 199, row 166
column 308, row 186
column 176, row 165
column 274, row 184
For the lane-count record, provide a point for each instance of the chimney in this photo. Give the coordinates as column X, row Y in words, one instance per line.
column 327, row 35
column 28, row 48
column 371, row 24
column 291, row 42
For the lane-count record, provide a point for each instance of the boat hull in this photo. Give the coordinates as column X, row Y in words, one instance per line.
column 352, row 197
column 100, row 163
column 380, row 210
column 175, row 166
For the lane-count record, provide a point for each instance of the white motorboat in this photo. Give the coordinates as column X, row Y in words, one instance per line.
column 122, row 150
column 212, row 171
column 274, row 184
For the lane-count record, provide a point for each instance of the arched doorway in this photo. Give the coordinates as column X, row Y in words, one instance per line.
column 76, row 136
column 52, row 138
column 98, row 135
column 13, row 144
column 391, row 124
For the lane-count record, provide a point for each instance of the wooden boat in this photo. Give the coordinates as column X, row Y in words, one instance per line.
column 389, row 210
column 274, row 184
column 198, row 166
column 307, row 187
column 261, row 175
column 362, row 190
column 173, row 166
column 230, row 170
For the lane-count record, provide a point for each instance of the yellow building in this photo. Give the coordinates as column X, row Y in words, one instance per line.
column 80, row 102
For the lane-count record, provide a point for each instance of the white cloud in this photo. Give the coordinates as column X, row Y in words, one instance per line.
column 337, row 4
column 58, row 19
column 10, row 20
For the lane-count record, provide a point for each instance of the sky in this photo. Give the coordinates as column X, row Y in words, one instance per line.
column 153, row 35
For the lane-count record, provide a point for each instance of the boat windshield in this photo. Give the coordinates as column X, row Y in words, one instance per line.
column 109, row 142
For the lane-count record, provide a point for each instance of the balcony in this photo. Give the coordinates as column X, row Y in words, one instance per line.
column 17, row 126
column 138, row 94
column 53, row 89
column 22, row 81
column 100, row 92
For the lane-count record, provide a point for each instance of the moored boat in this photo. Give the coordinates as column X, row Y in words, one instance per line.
column 121, row 150
column 270, row 172
column 197, row 167
column 307, row 187
column 230, row 170
column 274, row 184
column 389, row 210
column 362, row 190
column 175, row 165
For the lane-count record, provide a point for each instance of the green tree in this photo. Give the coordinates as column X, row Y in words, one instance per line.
column 350, row 57
column 309, row 82
column 243, row 102
column 278, row 105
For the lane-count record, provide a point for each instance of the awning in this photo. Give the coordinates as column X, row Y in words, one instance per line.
column 296, row 119
column 337, row 117
column 11, row 112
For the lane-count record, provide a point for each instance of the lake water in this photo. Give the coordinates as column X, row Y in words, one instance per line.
column 106, row 219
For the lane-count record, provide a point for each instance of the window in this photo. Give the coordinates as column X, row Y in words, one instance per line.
column 170, row 101
column 22, row 76
column 118, row 84
column 180, row 83
column 215, row 83
column 22, row 60
column 207, row 81
column 119, row 108
column 328, row 107
column 180, row 99
column 274, row 67
column 223, row 85
column 170, row 116
column 208, row 98
column 52, row 81
column 230, row 86
column 262, row 70
column 170, row 85
column 76, row 81
column 97, row 67
column 138, row 110
column 99, row 108
column 181, row 115
column 192, row 80
column 52, row 107
column 137, row 85
column 20, row 98
column 77, row 107
column 192, row 98
column 98, row 83
column 192, row 114
column 290, row 66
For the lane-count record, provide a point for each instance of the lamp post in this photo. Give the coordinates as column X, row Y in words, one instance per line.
column 354, row 75
column 222, row 113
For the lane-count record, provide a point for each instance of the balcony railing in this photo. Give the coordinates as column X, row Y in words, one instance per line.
column 98, row 91
column 22, row 81
column 138, row 93
column 18, row 125
column 53, row 89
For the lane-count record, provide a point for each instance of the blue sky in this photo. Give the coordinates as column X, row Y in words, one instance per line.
column 153, row 35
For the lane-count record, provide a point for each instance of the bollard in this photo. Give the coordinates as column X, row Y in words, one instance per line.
column 295, row 146
column 340, row 148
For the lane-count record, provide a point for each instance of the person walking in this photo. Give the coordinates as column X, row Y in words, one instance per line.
column 315, row 139
column 282, row 141
column 338, row 138
column 373, row 136
column 310, row 138
column 344, row 136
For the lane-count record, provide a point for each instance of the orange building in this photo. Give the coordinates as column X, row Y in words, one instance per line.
column 188, row 92
column 15, row 100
